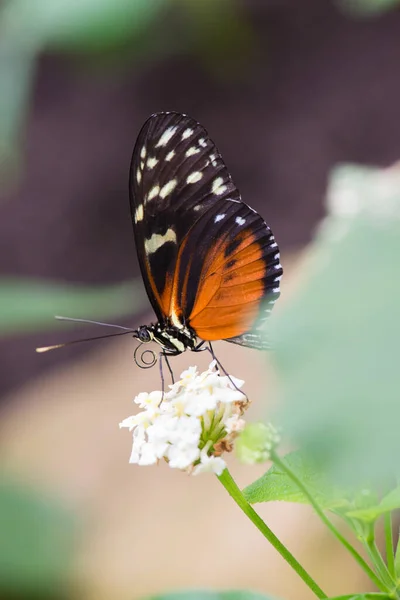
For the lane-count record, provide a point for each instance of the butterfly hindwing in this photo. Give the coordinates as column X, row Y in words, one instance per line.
column 226, row 266
column 208, row 260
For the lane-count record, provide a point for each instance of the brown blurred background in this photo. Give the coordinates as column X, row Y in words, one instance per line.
column 287, row 89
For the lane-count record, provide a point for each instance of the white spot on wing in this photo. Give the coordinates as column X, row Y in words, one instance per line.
column 168, row 188
column 143, row 152
column 202, row 142
column 153, row 192
column 197, row 207
column 192, row 150
column 219, row 218
column 170, row 155
column 274, row 245
column 151, row 162
column 166, row 136
column 194, row 177
column 278, row 278
column 218, row 186
column 138, row 176
column 139, row 213
column 187, row 133
column 156, row 241
column 213, row 159
column 240, row 221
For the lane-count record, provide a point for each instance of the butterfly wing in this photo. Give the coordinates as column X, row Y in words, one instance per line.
column 173, row 167
column 207, row 259
column 226, row 267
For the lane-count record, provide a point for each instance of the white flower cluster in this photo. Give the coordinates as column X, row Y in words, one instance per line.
column 191, row 425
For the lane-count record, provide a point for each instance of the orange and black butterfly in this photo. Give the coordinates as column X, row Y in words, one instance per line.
column 210, row 263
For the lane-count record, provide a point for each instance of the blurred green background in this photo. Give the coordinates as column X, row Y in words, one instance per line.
column 287, row 88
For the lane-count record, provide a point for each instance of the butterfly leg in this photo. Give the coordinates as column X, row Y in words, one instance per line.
column 161, row 375
column 164, row 355
column 211, row 350
column 169, row 367
column 199, row 347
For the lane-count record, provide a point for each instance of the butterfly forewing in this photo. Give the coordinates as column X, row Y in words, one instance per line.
column 207, row 259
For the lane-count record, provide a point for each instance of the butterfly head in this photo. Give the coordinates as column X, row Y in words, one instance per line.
column 144, row 334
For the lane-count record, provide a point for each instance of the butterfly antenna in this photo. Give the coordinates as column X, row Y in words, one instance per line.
column 74, row 320
column 125, row 331
column 98, row 337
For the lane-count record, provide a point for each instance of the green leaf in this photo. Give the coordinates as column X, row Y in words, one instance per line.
column 276, row 485
column 337, row 339
column 390, row 502
column 212, row 595
column 16, row 73
column 75, row 24
column 36, row 541
column 226, row 48
column 367, row 8
column 29, row 305
column 368, row 596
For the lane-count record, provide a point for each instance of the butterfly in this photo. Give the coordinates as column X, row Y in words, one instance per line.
column 210, row 264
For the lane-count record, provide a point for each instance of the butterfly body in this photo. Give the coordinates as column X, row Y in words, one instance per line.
column 209, row 262
column 172, row 340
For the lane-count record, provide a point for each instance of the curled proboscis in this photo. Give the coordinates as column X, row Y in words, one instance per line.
column 145, row 359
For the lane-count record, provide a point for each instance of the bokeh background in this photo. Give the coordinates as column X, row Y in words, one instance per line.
column 287, row 89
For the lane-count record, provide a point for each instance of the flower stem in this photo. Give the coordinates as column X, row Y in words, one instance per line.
column 397, row 557
column 381, row 567
column 229, row 484
column 389, row 543
column 303, row 488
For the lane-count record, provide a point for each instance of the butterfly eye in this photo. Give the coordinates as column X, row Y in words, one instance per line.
column 144, row 335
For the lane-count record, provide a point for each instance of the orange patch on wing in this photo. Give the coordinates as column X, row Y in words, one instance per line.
column 166, row 295
column 231, row 292
column 163, row 299
column 226, row 321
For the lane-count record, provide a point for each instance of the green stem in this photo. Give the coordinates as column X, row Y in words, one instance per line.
column 397, row 557
column 231, row 487
column 389, row 543
column 284, row 467
column 381, row 567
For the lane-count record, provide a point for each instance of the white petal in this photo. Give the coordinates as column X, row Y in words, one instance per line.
column 129, row 422
column 139, row 441
column 148, row 456
column 210, row 464
column 142, row 399
column 187, row 432
column 197, row 404
column 182, row 458
column 188, row 375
